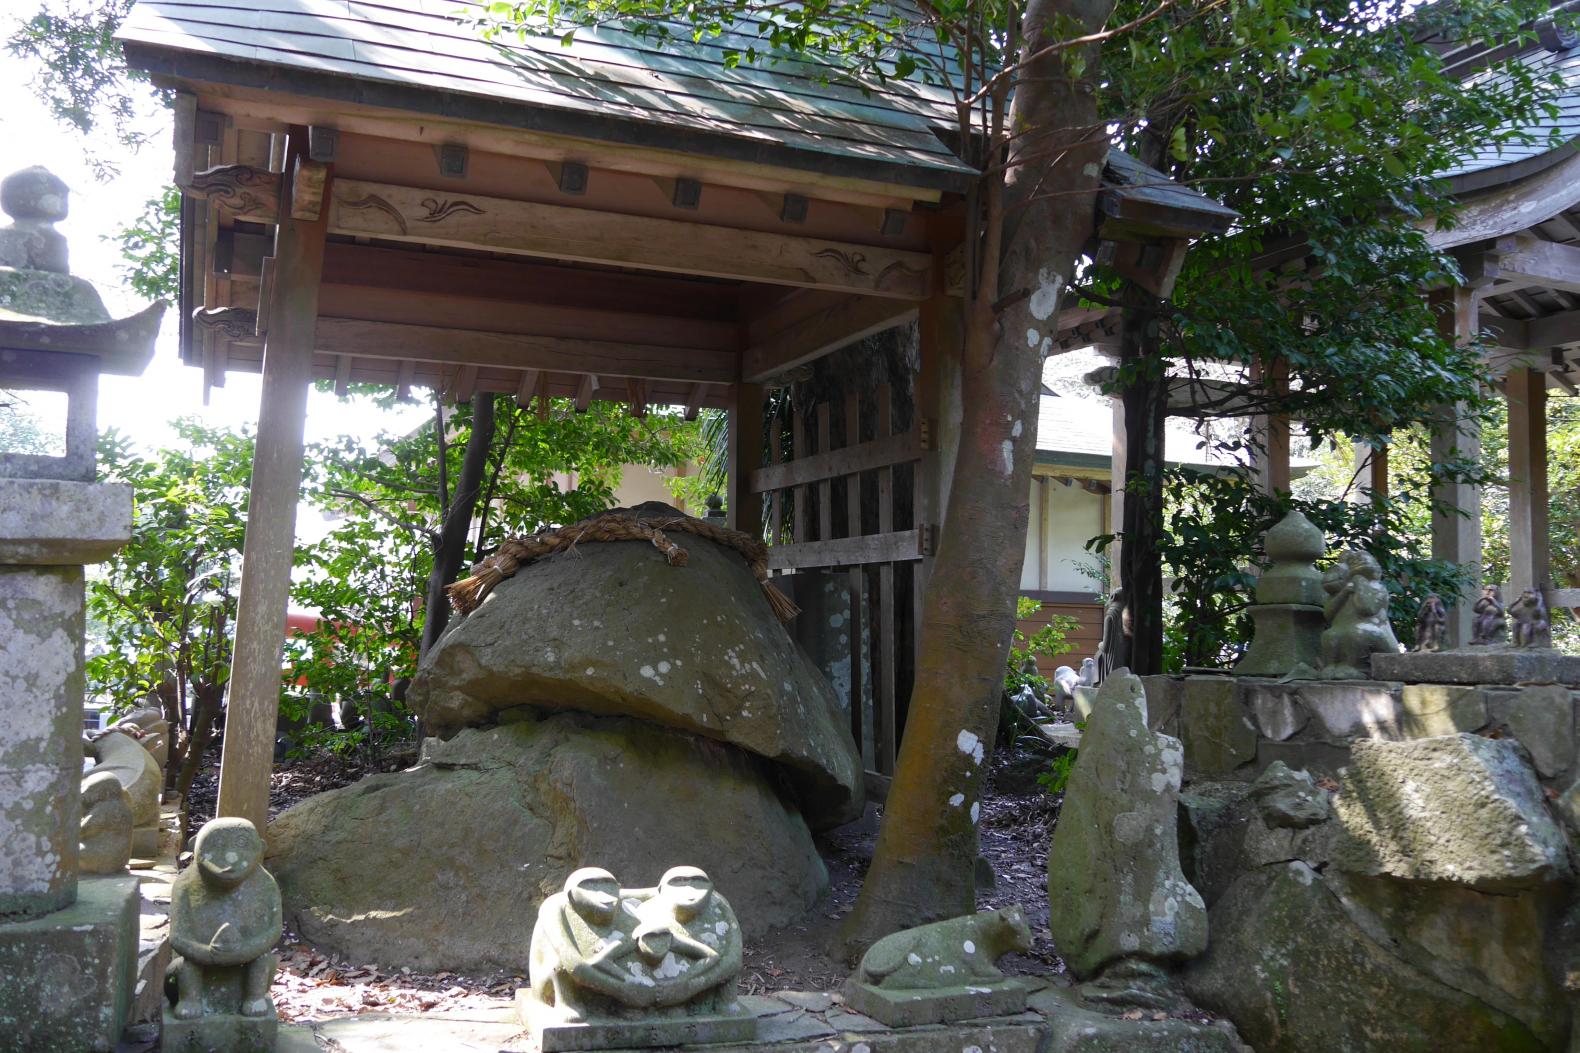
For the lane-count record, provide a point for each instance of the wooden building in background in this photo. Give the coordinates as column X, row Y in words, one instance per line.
column 373, row 192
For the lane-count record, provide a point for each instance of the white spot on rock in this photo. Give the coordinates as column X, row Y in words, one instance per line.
column 957, row 800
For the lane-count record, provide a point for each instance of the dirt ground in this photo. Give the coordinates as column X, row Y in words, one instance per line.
column 1014, row 840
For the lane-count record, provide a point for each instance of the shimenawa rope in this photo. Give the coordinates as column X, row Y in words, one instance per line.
column 467, row 594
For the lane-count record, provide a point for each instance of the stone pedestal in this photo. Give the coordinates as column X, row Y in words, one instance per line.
column 557, row 1035
column 219, row 1033
column 68, row 956
column 1496, row 664
column 68, row 976
column 1286, row 635
column 969, row 1001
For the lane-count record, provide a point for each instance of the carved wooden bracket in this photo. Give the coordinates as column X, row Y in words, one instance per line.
column 246, row 191
column 308, row 181
column 238, row 323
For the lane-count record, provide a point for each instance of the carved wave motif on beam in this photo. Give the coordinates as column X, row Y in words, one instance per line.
column 853, row 263
column 897, row 267
column 438, row 210
column 377, row 203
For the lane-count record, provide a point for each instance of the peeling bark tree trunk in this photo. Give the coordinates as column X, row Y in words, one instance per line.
column 450, row 550
column 1034, row 225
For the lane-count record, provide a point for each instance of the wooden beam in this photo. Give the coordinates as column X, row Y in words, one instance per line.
column 387, row 340
column 1455, row 435
column 1554, row 330
column 744, row 510
column 528, row 388
column 777, row 348
column 895, row 547
column 1544, row 263
column 586, row 389
column 398, row 213
column 1530, row 544
column 694, row 400
column 636, row 392
column 465, row 384
column 267, row 550
column 241, row 190
column 828, row 464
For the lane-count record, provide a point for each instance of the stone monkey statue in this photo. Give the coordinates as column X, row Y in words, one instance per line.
column 225, row 919
column 1532, row 628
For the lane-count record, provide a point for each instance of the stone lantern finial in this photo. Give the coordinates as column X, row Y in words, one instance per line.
column 35, row 199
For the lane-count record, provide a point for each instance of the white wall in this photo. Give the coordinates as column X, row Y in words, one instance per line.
column 1072, row 516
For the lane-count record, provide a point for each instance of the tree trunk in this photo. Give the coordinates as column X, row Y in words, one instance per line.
column 451, row 548
column 1034, row 225
column 205, row 711
column 1145, row 397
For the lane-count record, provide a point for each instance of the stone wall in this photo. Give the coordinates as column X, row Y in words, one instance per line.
column 1234, row 727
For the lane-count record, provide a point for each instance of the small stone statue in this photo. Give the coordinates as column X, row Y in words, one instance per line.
column 35, row 199
column 1357, row 617
column 119, row 753
column 1491, row 622
column 225, row 919
column 1532, row 628
column 1431, row 624
column 147, row 724
column 943, row 971
column 1113, row 651
column 612, row 967
column 105, row 843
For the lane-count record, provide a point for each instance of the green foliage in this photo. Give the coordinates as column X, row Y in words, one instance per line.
column 80, row 73
column 151, row 248
column 1212, row 547
column 162, row 607
column 1057, row 777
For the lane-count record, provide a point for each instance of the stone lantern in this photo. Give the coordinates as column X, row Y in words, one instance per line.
column 68, row 948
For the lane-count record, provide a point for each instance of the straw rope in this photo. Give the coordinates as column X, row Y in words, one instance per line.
column 467, row 594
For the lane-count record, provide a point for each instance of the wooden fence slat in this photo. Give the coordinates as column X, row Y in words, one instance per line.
column 857, row 576
column 776, row 502
column 798, row 493
column 825, row 464
column 894, row 547
column 825, row 486
column 888, row 645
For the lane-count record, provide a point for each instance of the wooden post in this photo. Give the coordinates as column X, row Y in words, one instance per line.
column 1116, row 490
column 746, row 456
column 1456, row 507
column 1371, row 473
column 268, row 548
column 940, row 338
column 1272, row 429
column 1044, row 487
column 1530, row 540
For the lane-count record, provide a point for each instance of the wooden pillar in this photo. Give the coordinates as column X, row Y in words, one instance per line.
column 1456, row 507
column 1116, row 487
column 1271, row 461
column 745, row 508
column 940, row 339
column 1044, row 487
column 268, row 548
column 1530, row 540
column 1371, row 473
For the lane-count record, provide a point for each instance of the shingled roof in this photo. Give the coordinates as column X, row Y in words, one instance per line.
column 423, row 56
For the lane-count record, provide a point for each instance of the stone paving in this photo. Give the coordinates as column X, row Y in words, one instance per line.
column 788, row 1021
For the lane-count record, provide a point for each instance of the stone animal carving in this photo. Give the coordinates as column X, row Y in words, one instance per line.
column 1532, row 628
column 225, row 919
column 150, row 728
column 105, row 841
column 1490, row 624
column 599, row 951
column 121, row 754
column 1113, row 652
column 1431, row 624
column 1357, row 617
column 952, row 953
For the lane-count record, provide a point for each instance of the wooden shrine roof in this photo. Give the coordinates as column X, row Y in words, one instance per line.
column 608, row 84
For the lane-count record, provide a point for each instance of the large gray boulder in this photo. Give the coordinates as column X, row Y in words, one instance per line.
column 443, row 866
column 1114, row 877
column 1308, row 962
column 1459, row 809
column 610, row 628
